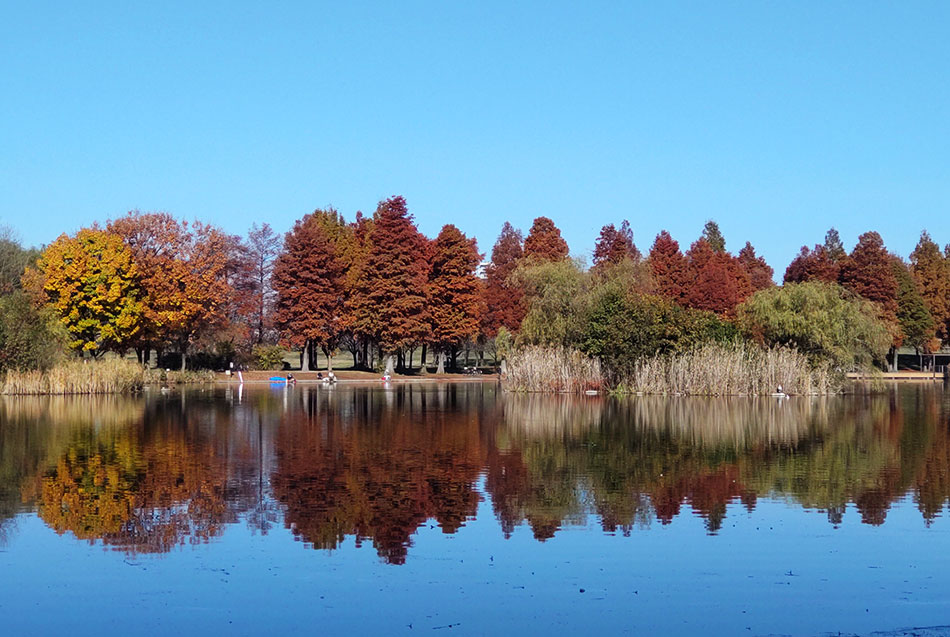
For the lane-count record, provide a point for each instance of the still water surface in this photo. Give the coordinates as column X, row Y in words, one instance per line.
column 457, row 508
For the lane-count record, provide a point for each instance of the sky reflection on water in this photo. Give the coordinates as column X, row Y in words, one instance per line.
column 459, row 508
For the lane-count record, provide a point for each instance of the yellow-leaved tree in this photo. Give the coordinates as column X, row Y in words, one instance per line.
column 91, row 281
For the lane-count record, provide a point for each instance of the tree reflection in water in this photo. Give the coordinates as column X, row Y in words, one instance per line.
column 150, row 474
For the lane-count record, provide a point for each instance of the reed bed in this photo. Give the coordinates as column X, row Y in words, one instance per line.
column 552, row 370
column 738, row 369
column 730, row 370
column 110, row 376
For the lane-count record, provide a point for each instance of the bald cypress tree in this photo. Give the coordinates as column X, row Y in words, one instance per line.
column 308, row 280
column 504, row 301
column 544, row 242
column 614, row 245
column 456, row 305
column 390, row 294
column 668, row 267
column 929, row 269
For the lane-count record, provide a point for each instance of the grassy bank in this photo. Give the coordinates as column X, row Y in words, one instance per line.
column 711, row 370
column 111, row 376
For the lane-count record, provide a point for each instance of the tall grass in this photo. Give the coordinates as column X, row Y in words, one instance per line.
column 739, row 369
column 111, row 376
column 552, row 370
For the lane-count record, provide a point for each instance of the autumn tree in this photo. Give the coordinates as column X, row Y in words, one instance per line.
column 868, row 273
column 308, row 280
column 91, row 281
column 759, row 272
column 455, row 301
column 389, row 298
column 359, row 322
column 183, row 270
column 812, row 265
column 504, row 302
column 929, row 269
column 669, row 268
column 544, row 242
column 614, row 246
column 718, row 282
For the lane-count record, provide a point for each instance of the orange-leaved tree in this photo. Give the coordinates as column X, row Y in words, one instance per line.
column 759, row 272
column 308, row 280
column 504, row 301
column 388, row 302
column 92, row 282
column 183, row 269
column 544, row 242
column 455, row 301
column 930, row 270
column 614, row 246
column 669, row 268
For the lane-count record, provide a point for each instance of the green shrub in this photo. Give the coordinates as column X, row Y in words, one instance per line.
column 267, row 357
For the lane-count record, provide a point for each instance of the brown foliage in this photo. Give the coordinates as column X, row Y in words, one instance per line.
column 669, row 268
column 308, row 280
column 456, row 305
column 613, row 246
column 504, row 302
column 544, row 242
column 388, row 301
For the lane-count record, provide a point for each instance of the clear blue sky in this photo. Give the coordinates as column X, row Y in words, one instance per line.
column 776, row 119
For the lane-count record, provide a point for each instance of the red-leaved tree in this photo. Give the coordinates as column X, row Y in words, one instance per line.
column 389, row 298
column 614, row 245
column 669, row 268
column 504, row 302
column 544, row 242
column 308, row 280
column 455, row 300
column 759, row 272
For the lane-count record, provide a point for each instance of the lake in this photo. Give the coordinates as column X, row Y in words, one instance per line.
column 456, row 508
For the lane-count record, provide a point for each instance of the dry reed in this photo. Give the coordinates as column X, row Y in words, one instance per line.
column 730, row 370
column 739, row 369
column 111, row 376
column 552, row 370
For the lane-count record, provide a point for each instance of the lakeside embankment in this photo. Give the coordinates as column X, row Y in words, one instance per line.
column 346, row 376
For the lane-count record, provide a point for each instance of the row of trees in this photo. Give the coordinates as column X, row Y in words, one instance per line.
column 376, row 286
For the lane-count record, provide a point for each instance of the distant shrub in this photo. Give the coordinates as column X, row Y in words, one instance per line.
column 267, row 357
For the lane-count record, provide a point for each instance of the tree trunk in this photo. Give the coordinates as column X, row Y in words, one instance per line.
column 455, row 359
column 440, row 357
column 184, row 355
column 138, row 354
column 365, row 358
column 305, row 356
column 390, row 364
column 412, row 350
column 424, row 369
column 328, row 353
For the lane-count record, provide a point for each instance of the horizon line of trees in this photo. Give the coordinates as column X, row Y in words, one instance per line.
column 380, row 289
